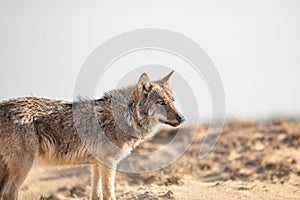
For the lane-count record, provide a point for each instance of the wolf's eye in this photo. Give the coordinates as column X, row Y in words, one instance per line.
column 161, row 103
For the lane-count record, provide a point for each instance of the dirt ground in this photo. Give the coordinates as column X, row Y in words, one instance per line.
column 250, row 161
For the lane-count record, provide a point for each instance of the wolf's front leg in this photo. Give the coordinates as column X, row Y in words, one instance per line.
column 96, row 193
column 108, row 175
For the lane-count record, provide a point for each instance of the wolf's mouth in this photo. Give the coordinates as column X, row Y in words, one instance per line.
column 170, row 123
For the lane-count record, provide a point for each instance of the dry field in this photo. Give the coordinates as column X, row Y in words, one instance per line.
column 250, row 161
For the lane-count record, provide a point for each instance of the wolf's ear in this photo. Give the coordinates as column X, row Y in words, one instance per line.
column 144, row 80
column 166, row 79
column 143, row 87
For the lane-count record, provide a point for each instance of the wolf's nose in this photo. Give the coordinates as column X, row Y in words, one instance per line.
column 179, row 118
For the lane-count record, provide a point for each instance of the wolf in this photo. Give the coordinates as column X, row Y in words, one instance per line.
column 98, row 132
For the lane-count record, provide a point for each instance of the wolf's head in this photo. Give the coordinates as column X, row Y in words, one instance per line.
column 155, row 101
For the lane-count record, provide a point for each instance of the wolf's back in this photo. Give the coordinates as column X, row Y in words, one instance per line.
column 26, row 110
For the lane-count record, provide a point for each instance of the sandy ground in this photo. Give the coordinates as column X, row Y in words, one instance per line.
column 250, row 161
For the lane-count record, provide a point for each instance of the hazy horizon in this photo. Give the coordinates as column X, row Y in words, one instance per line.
column 255, row 46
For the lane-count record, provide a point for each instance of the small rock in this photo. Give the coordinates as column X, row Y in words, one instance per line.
column 53, row 197
column 168, row 195
column 259, row 146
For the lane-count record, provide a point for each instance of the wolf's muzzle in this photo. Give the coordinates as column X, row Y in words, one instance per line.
column 179, row 118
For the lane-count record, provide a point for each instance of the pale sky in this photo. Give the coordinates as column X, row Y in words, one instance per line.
column 254, row 44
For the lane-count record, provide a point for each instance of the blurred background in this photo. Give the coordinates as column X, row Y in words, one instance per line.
column 255, row 46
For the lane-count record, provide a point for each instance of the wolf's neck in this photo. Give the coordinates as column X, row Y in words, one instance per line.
column 125, row 113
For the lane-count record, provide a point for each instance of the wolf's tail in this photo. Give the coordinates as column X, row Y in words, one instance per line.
column 3, row 180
